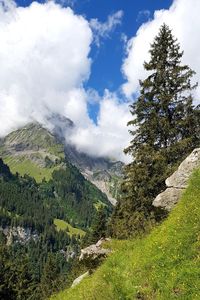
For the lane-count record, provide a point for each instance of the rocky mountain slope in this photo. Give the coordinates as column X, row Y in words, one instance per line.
column 105, row 173
column 32, row 150
column 37, row 151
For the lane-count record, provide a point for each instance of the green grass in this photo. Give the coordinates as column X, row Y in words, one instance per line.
column 26, row 166
column 58, row 150
column 63, row 225
column 165, row 265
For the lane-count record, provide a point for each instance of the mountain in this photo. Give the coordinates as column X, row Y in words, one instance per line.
column 32, row 150
column 103, row 172
column 37, row 151
column 162, row 265
column 46, row 207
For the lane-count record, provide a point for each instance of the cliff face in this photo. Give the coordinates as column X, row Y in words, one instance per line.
column 104, row 173
column 178, row 182
column 18, row 234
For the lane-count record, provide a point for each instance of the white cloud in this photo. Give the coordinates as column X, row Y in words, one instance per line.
column 183, row 18
column 44, row 59
column 44, row 62
column 103, row 30
column 110, row 136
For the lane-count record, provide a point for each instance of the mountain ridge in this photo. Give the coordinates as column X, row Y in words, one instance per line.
column 37, row 151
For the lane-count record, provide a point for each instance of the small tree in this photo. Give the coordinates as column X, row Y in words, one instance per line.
column 165, row 130
column 99, row 226
column 98, row 229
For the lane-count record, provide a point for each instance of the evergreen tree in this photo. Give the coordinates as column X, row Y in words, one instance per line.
column 98, row 229
column 99, row 226
column 165, row 130
column 50, row 279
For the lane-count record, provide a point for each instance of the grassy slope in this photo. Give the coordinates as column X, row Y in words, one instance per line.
column 62, row 225
column 164, row 265
column 26, row 166
column 36, row 136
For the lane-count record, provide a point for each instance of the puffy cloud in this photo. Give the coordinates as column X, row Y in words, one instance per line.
column 103, row 30
column 183, row 18
column 44, row 59
column 110, row 136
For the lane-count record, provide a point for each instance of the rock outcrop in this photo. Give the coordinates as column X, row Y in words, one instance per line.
column 94, row 251
column 178, row 182
column 79, row 279
column 18, row 234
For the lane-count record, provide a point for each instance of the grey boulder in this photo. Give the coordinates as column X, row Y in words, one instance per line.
column 178, row 182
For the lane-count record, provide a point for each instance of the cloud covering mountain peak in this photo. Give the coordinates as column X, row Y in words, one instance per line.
column 45, row 61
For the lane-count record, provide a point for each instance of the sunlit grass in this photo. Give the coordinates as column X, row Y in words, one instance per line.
column 63, row 225
column 165, row 265
column 26, row 166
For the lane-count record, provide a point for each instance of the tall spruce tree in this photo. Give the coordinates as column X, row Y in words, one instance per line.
column 165, row 129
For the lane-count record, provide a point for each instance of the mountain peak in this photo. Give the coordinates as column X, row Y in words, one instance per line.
column 38, row 151
column 32, row 136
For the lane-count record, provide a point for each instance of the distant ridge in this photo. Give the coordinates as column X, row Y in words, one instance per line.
column 38, row 151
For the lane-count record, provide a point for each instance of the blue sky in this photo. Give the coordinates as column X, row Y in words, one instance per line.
column 52, row 57
column 107, row 59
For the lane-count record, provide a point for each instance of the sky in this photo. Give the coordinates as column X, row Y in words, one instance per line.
column 83, row 59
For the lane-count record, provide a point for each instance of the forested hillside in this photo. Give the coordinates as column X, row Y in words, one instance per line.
column 37, row 259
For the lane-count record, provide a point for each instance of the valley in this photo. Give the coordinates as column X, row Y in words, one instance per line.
column 99, row 150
